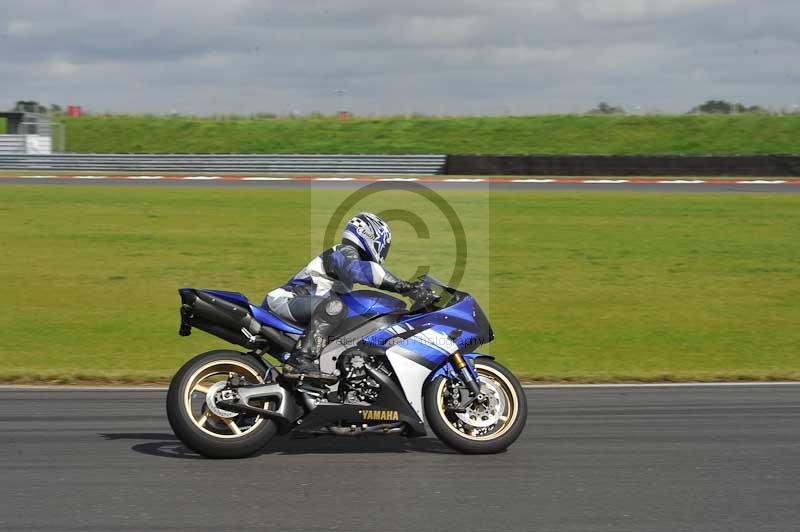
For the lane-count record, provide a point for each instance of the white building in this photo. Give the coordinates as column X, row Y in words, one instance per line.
column 27, row 133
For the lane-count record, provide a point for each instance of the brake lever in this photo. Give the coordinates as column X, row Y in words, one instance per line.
column 430, row 297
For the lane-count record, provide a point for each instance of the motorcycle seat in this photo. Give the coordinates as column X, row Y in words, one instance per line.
column 301, row 326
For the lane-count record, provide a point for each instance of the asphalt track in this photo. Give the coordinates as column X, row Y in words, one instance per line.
column 666, row 459
column 775, row 186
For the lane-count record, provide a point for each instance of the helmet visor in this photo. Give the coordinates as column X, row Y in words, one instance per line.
column 383, row 252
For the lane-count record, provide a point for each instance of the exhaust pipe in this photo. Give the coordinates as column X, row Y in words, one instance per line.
column 225, row 320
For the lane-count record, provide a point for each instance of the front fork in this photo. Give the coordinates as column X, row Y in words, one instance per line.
column 467, row 374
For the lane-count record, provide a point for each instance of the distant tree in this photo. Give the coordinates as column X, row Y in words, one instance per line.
column 30, row 106
column 55, row 109
column 605, row 108
column 755, row 109
column 725, row 108
column 715, row 107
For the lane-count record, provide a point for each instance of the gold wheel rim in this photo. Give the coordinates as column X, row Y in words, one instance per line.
column 507, row 418
column 200, row 382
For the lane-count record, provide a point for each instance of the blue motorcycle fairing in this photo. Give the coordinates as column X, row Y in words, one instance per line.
column 233, row 297
column 462, row 317
column 370, row 303
column 430, row 336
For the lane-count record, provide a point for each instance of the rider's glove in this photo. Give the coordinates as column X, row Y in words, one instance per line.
column 404, row 287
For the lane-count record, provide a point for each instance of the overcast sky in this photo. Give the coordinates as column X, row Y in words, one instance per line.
column 431, row 56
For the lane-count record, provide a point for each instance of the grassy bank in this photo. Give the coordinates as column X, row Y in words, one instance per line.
column 501, row 135
column 579, row 287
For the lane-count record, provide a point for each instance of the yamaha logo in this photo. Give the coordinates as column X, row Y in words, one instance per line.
column 379, row 415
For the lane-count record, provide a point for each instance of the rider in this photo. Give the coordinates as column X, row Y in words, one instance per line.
column 311, row 296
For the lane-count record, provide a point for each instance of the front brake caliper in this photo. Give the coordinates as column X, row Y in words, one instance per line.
column 460, row 398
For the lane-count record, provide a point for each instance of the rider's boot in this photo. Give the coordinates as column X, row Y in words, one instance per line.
column 303, row 361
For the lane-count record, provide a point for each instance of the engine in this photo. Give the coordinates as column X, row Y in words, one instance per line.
column 357, row 385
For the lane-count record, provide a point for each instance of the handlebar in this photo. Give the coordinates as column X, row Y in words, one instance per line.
column 422, row 297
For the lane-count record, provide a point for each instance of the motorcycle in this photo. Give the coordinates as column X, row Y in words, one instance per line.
column 396, row 368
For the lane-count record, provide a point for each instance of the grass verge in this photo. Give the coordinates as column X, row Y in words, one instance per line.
column 553, row 134
column 596, row 287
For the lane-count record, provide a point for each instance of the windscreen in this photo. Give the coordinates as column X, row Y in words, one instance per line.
column 447, row 296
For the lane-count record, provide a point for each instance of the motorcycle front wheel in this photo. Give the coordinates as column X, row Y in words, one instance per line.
column 196, row 419
column 486, row 426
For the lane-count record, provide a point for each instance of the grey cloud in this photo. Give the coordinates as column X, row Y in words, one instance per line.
column 516, row 56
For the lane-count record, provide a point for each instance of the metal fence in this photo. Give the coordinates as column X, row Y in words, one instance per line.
column 337, row 164
column 12, row 144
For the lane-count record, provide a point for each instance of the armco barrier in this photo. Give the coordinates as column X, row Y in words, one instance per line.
column 12, row 144
column 342, row 164
column 625, row 165
column 546, row 165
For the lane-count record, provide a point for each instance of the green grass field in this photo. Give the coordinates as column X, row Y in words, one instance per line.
column 556, row 134
column 579, row 287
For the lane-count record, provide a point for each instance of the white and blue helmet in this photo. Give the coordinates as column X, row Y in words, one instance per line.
column 370, row 234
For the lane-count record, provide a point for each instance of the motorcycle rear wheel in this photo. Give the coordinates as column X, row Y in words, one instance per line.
column 216, row 434
column 485, row 428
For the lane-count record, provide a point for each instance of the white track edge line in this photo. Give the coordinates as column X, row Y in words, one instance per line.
column 664, row 384
column 68, row 388
column 423, row 180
